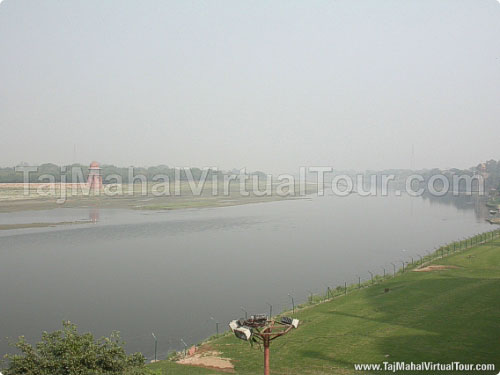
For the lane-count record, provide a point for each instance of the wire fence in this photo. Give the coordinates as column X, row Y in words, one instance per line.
column 292, row 303
column 397, row 268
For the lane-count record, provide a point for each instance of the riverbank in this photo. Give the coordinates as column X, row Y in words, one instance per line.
column 445, row 313
column 14, row 198
column 494, row 202
column 42, row 225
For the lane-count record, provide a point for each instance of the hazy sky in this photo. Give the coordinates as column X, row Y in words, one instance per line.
column 266, row 85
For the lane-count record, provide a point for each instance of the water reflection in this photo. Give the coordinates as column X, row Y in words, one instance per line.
column 94, row 215
column 462, row 202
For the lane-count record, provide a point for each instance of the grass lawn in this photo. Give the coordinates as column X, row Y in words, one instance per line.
column 440, row 316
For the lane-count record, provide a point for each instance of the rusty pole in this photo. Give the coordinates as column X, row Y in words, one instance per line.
column 266, row 355
column 267, row 330
column 266, row 338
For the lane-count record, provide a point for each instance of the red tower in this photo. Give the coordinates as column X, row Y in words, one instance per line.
column 95, row 179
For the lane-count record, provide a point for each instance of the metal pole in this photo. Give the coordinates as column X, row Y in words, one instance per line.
column 266, row 355
column 270, row 310
column 185, row 347
column 216, row 325
column 394, row 267
column 345, row 288
column 156, row 344
column 371, row 275
column 293, row 303
column 246, row 312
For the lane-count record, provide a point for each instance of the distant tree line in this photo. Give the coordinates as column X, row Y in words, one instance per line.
column 10, row 175
column 490, row 170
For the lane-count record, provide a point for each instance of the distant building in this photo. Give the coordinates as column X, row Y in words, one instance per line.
column 94, row 180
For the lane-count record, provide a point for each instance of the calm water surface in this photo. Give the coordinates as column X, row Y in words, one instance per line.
column 169, row 272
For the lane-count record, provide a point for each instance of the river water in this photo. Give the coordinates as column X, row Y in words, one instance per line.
column 170, row 272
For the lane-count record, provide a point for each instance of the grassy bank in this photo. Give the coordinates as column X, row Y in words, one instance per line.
column 494, row 202
column 441, row 316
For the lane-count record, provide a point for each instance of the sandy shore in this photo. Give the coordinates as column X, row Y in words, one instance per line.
column 13, row 198
column 40, row 225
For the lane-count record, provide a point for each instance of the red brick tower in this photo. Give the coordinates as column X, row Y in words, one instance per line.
column 95, row 178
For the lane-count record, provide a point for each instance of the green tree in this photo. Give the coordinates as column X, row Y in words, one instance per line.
column 66, row 352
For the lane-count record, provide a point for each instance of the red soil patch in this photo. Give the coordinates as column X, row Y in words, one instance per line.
column 209, row 359
column 434, row 268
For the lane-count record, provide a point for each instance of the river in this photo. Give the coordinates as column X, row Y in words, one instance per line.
column 169, row 272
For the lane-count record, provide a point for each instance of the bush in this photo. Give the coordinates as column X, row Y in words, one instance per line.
column 66, row 352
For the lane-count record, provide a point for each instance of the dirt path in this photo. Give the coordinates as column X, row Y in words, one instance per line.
column 209, row 359
column 434, row 268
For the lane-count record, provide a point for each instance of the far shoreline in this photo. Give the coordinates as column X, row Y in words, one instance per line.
column 12, row 199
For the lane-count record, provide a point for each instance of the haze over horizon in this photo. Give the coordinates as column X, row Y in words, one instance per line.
column 267, row 86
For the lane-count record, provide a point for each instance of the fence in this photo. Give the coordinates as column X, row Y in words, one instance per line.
column 288, row 305
column 416, row 261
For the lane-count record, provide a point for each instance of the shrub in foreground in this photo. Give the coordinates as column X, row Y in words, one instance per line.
column 66, row 352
